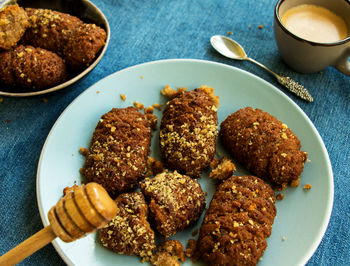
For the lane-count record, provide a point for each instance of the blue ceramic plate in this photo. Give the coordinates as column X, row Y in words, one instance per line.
column 302, row 217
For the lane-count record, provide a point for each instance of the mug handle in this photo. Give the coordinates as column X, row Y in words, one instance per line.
column 343, row 64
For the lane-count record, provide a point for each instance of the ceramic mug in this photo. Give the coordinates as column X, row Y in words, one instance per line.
column 307, row 56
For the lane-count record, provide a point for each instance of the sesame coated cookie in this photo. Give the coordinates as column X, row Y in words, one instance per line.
column 77, row 42
column 264, row 145
column 175, row 201
column 31, row 68
column 118, row 153
column 83, row 45
column 237, row 223
column 129, row 232
column 49, row 29
column 188, row 131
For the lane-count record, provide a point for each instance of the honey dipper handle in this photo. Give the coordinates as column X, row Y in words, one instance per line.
column 28, row 246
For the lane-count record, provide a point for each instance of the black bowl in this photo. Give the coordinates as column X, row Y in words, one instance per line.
column 87, row 12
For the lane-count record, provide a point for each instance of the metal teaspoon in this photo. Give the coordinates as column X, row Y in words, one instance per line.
column 231, row 49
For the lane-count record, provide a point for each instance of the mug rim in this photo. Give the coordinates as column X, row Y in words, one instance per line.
column 277, row 18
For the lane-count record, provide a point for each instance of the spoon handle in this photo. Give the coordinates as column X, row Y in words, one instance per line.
column 287, row 82
column 295, row 87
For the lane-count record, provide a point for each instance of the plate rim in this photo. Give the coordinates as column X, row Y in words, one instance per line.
column 328, row 209
column 75, row 78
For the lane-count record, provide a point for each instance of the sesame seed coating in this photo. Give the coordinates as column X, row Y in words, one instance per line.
column 117, row 157
column 264, row 145
column 30, row 67
column 188, row 132
column 175, row 201
column 237, row 223
column 129, row 232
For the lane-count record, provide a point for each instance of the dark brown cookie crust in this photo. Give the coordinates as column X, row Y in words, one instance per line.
column 188, row 132
column 175, row 201
column 239, row 218
column 83, row 45
column 77, row 42
column 129, row 232
column 30, row 67
column 117, row 157
column 264, row 145
column 49, row 29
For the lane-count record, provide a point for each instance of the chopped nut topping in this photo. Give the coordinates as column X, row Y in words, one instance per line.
column 138, row 105
column 157, row 106
column 171, row 93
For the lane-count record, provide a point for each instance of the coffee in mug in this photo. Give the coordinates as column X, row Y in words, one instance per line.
column 313, row 34
column 315, row 23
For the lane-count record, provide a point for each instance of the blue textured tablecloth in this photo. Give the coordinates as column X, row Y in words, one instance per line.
column 143, row 31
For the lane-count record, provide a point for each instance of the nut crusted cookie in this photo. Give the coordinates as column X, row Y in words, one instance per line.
column 49, row 29
column 77, row 42
column 188, row 131
column 31, row 68
column 264, row 145
column 175, row 201
column 83, row 44
column 129, row 232
column 117, row 157
column 13, row 23
column 237, row 223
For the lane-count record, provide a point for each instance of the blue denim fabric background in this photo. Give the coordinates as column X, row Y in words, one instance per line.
column 143, row 31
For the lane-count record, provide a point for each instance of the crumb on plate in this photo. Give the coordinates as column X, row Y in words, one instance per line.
column 171, row 93
column 280, row 196
column 157, row 106
column 223, row 170
column 190, row 248
column 83, row 151
column 149, row 110
column 123, row 97
column 138, row 105
column 307, row 187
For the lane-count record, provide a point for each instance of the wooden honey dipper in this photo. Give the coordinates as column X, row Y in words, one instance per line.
column 82, row 211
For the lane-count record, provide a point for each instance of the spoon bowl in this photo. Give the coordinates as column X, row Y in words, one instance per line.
column 228, row 47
